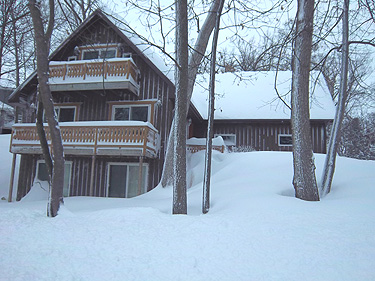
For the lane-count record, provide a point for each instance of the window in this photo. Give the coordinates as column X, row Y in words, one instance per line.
column 131, row 112
column 285, row 140
column 229, row 139
column 123, row 180
column 103, row 53
column 65, row 113
column 42, row 174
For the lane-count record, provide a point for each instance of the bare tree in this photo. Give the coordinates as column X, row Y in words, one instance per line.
column 211, row 109
column 14, row 34
column 74, row 12
column 329, row 165
column 304, row 180
column 194, row 62
column 182, row 56
column 43, row 39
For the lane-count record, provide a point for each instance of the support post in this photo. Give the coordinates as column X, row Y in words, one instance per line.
column 93, row 161
column 140, row 170
column 11, row 183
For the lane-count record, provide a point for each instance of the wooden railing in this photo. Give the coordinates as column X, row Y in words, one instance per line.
column 103, row 140
column 193, row 148
column 82, row 69
column 194, row 145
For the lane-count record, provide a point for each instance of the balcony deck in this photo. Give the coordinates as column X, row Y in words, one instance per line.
column 115, row 73
column 122, row 138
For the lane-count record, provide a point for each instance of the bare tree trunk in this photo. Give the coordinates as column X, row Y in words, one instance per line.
column 304, row 180
column 182, row 57
column 334, row 140
column 211, row 111
column 194, row 62
column 42, row 40
column 42, row 137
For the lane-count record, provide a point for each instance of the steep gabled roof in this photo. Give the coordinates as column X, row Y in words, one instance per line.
column 147, row 54
column 252, row 96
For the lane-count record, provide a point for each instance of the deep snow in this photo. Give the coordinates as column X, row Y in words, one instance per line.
column 255, row 230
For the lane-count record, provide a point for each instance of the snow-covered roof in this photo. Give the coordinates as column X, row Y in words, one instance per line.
column 151, row 52
column 252, row 95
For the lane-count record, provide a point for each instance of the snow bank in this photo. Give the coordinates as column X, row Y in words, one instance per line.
column 255, row 229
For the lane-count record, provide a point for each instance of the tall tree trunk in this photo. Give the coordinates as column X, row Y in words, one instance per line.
column 42, row 137
column 334, row 140
column 194, row 62
column 182, row 57
column 211, row 111
column 42, row 40
column 304, row 180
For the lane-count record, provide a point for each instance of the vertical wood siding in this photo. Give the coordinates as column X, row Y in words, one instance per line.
column 264, row 136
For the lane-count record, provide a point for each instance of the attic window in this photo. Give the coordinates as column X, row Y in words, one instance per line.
column 285, row 140
column 131, row 112
column 104, row 53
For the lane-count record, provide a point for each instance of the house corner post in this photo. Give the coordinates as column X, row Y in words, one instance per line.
column 93, row 163
column 11, row 183
column 140, row 175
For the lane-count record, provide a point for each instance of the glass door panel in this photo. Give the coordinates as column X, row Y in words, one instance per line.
column 117, row 181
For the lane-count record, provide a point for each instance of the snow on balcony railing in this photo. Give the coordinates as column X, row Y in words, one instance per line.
column 197, row 144
column 97, row 136
column 115, row 69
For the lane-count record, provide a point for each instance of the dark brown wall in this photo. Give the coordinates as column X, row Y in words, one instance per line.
column 81, row 169
column 26, row 175
column 263, row 136
column 80, row 174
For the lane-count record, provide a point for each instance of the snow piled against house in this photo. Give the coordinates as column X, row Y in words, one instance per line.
column 252, row 95
column 255, row 230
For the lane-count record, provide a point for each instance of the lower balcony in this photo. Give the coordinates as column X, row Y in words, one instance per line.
column 122, row 138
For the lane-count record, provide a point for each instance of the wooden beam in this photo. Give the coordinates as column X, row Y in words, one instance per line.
column 140, row 170
column 93, row 162
column 12, row 178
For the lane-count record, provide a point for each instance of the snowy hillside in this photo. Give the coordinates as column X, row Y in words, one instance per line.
column 255, row 230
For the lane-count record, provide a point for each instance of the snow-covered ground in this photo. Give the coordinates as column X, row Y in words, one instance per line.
column 255, row 230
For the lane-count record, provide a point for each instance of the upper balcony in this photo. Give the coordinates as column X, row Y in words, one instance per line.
column 125, row 138
column 96, row 74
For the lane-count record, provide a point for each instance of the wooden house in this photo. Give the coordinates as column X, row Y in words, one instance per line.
column 114, row 105
column 252, row 113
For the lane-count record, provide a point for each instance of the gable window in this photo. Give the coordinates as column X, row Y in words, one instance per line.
column 131, row 112
column 42, row 175
column 285, row 140
column 103, row 53
column 65, row 113
column 229, row 139
column 123, row 180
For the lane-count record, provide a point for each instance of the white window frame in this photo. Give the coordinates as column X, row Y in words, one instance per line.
column 128, row 164
column 65, row 162
column 283, row 135
column 228, row 135
column 114, row 107
column 100, row 50
column 66, row 107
